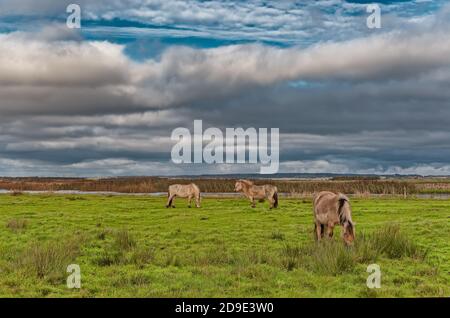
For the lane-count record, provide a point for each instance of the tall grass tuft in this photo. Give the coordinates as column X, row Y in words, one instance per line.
column 122, row 250
column 17, row 225
column 50, row 259
column 327, row 257
column 332, row 257
column 124, row 240
column 389, row 240
column 143, row 256
column 277, row 235
column 291, row 256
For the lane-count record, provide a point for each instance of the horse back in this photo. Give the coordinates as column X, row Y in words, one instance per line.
column 325, row 206
column 182, row 190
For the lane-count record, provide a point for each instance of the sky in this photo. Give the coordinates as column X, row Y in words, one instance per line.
column 104, row 99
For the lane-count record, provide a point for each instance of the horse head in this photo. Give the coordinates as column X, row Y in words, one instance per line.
column 349, row 232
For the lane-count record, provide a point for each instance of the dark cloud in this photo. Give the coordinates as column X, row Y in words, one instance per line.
column 70, row 106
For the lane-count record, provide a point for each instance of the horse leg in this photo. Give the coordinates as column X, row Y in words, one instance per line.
column 318, row 231
column 189, row 201
column 252, row 200
column 322, row 230
column 330, row 229
column 197, row 201
column 169, row 201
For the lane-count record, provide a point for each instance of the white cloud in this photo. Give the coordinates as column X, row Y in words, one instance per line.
column 65, row 76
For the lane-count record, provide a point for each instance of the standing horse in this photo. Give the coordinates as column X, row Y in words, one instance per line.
column 331, row 209
column 260, row 193
column 183, row 191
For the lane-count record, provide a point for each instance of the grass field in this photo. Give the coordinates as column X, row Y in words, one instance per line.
column 131, row 246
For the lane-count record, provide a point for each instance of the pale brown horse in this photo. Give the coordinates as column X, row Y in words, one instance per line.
column 331, row 209
column 260, row 193
column 189, row 191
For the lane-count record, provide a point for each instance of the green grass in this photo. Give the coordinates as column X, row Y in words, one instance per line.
column 134, row 247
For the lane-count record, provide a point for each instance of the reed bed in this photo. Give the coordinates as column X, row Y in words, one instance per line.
column 294, row 187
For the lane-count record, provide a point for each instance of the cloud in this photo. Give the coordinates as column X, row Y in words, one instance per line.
column 71, row 106
column 66, row 76
column 27, row 61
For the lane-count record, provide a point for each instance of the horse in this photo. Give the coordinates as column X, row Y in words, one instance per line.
column 183, row 191
column 260, row 193
column 331, row 209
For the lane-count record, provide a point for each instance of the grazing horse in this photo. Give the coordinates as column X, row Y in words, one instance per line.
column 183, row 191
column 331, row 209
column 260, row 193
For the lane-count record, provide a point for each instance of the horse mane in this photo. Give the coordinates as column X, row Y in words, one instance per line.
column 343, row 217
column 247, row 182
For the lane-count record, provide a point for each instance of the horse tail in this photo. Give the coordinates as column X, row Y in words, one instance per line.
column 342, row 198
column 196, row 190
column 275, row 197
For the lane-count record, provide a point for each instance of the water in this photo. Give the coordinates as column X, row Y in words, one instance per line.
column 152, row 194
column 441, row 196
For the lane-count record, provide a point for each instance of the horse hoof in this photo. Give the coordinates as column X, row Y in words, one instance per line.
column 173, row 206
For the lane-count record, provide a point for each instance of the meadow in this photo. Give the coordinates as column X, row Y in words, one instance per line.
column 132, row 246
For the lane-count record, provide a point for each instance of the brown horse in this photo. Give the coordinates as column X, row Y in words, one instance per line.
column 189, row 191
column 331, row 209
column 260, row 193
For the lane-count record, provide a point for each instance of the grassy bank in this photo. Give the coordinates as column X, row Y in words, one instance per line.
column 133, row 246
